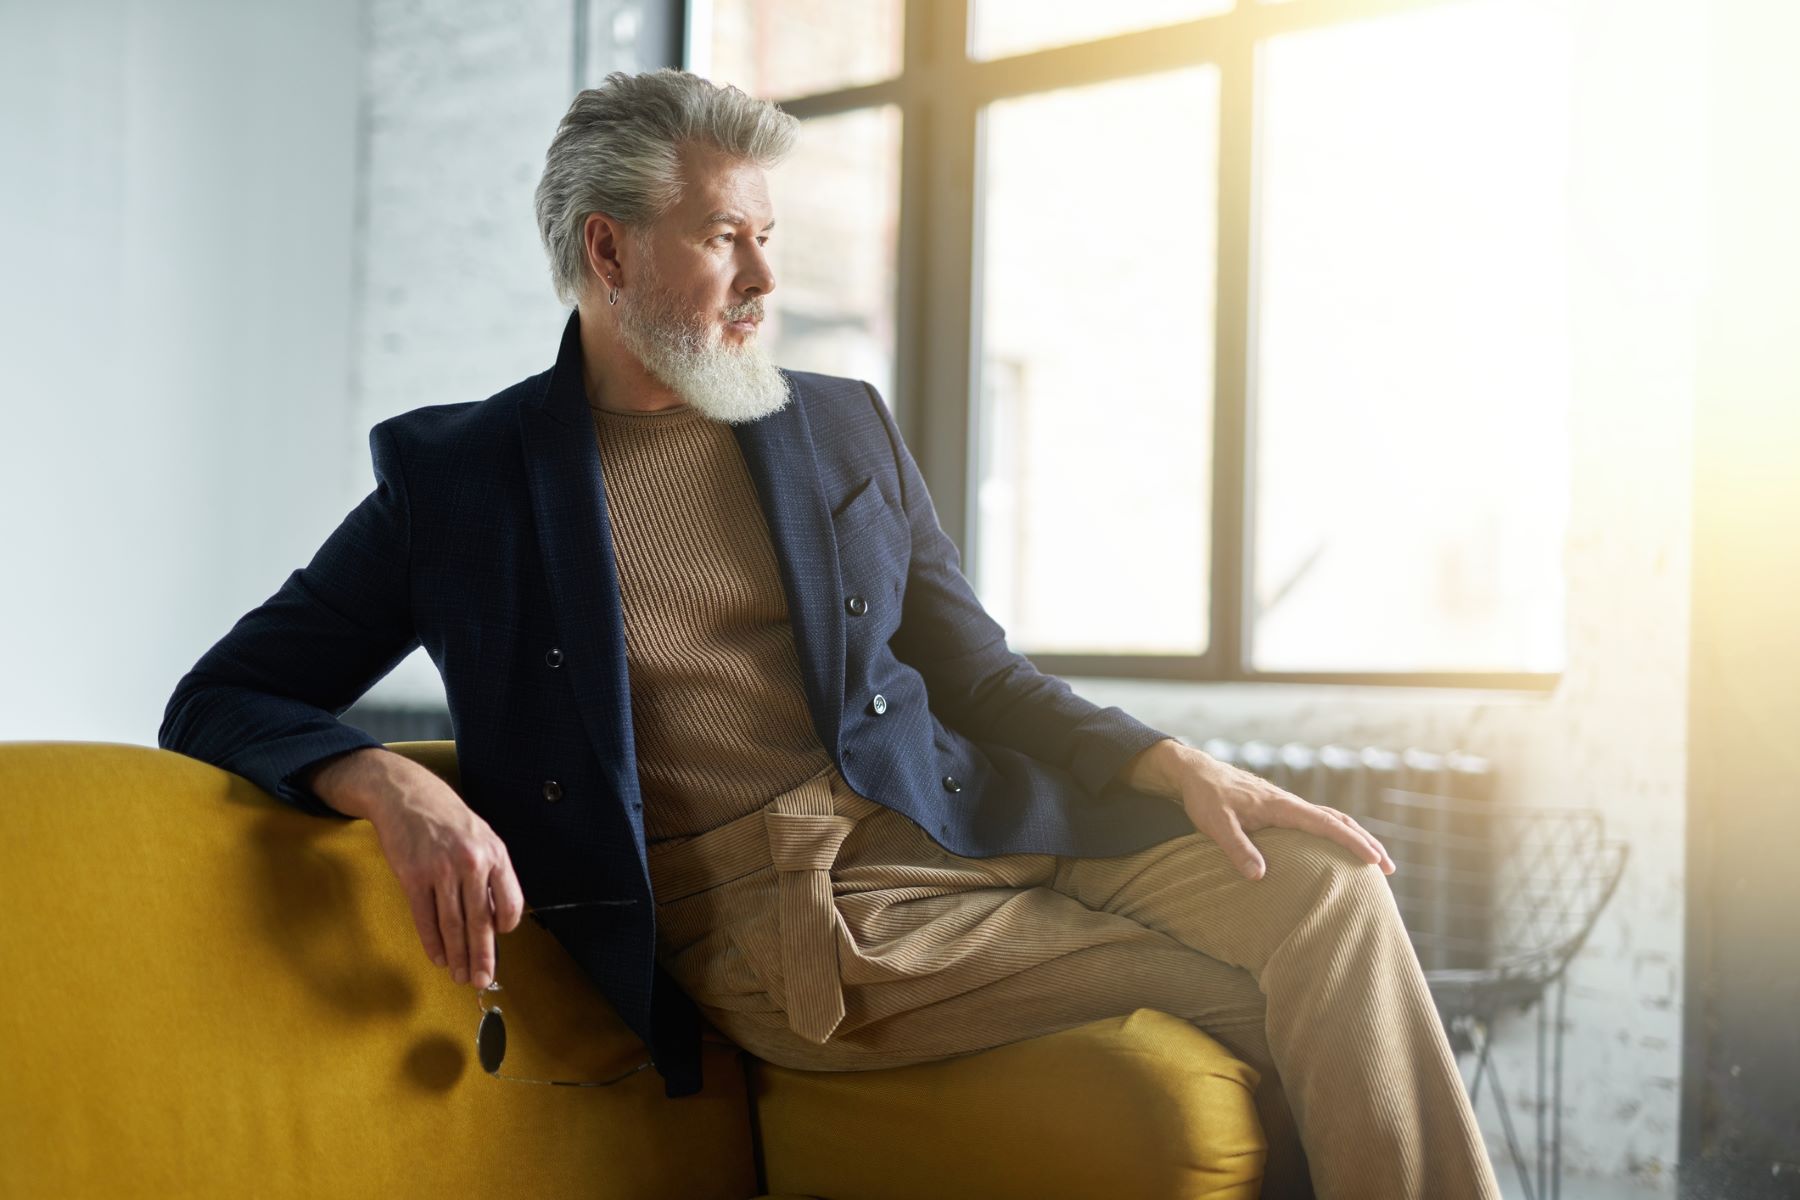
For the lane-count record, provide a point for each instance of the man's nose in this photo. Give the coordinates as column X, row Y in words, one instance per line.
column 758, row 278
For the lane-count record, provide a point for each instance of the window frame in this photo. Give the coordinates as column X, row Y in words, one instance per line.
column 940, row 93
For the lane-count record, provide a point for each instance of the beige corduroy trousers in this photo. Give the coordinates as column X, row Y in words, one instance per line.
column 826, row 932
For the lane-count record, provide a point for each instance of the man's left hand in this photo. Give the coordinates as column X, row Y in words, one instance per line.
column 1227, row 803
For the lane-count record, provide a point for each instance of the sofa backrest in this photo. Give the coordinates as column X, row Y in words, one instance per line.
column 204, row 992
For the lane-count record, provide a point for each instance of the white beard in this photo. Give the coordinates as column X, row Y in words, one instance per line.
column 730, row 383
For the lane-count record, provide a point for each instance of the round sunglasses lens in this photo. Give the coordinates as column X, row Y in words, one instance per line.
column 490, row 1041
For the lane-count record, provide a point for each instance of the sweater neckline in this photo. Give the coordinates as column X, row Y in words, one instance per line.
column 667, row 416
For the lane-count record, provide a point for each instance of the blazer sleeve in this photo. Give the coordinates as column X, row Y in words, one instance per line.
column 975, row 683
column 264, row 701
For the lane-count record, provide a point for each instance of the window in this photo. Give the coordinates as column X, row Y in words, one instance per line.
column 1095, row 298
column 1411, row 344
column 1232, row 337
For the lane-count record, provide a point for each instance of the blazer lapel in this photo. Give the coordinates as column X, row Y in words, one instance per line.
column 778, row 450
column 563, row 469
column 574, row 535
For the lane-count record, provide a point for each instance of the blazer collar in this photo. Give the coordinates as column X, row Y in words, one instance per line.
column 563, row 469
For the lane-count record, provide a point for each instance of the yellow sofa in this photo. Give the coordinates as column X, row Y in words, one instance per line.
column 208, row 994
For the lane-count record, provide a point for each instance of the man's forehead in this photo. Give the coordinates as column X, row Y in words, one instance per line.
column 722, row 188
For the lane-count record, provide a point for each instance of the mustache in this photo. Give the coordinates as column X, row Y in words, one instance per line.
column 745, row 311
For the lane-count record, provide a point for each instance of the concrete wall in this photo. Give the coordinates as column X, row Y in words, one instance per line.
column 175, row 314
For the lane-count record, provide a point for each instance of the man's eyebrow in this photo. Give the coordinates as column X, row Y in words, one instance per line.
column 730, row 218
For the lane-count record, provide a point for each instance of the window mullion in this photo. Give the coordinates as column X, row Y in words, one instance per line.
column 941, row 424
column 912, row 240
column 1226, row 655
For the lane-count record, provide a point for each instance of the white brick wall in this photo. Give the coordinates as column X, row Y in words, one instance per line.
column 461, row 100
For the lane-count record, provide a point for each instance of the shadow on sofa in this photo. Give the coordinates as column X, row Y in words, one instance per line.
column 211, row 994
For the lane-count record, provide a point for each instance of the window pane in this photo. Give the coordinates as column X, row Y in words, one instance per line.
column 1095, row 434
column 780, row 49
column 1412, row 349
column 837, row 207
column 1002, row 27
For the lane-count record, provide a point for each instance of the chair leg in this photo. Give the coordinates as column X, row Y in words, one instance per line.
column 1506, row 1122
column 1556, row 1101
column 1475, row 1079
column 1543, row 1181
column 1481, row 1062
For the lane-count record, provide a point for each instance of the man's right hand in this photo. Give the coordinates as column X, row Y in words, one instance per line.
column 454, row 869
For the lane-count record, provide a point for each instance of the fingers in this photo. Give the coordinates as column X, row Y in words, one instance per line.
column 478, row 921
column 508, row 897
column 450, row 921
column 503, row 904
column 1386, row 861
column 1221, row 813
column 457, row 877
column 1340, row 827
column 458, row 921
column 1239, row 848
column 425, row 919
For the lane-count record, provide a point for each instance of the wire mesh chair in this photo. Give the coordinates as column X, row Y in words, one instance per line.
column 1497, row 901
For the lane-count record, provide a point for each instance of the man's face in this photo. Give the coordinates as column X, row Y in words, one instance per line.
column 692, row 306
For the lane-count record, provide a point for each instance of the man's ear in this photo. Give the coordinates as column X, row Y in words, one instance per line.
column 602, row 239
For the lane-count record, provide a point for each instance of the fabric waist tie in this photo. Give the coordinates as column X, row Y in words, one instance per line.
column 798, row 833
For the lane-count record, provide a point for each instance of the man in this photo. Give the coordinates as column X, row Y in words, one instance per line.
column 692, row 609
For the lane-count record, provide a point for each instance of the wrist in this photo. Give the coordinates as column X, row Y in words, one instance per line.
column 358, row 783
column 1158, row 768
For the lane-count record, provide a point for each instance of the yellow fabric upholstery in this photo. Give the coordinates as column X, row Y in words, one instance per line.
column 1139, row 1105
column 208, row 994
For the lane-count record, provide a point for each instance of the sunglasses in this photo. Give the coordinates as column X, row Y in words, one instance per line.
column 490, row 1035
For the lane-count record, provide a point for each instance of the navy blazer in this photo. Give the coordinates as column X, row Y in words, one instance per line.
column 486, row 539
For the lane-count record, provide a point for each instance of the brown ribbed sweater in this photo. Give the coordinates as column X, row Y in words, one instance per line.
column 718, row 708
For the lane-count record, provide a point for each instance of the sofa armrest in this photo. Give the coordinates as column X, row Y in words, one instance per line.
column 210, row 994
column 438, row 756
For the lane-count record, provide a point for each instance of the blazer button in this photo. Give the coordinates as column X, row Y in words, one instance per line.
column 552, row 790
column 554, row 658
column 857, row 606
column 879, row 703
column 950, row 784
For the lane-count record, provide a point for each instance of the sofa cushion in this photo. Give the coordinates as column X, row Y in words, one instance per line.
column 1137, row 1105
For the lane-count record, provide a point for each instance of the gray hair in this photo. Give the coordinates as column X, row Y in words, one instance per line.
column 617, row 151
